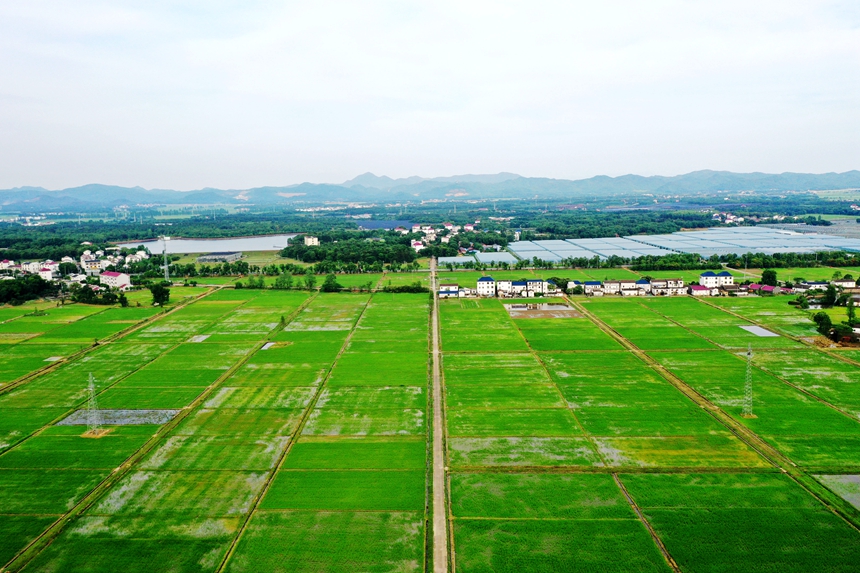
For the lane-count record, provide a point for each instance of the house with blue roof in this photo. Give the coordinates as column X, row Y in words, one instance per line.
column 712, row 280
column 486, row 286
column 593, row 288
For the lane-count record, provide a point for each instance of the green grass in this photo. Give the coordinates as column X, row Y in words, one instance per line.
column 184, row 494
column 565, row 334
column 506, row 422
column 62, row 447
column 364, row 453
column 491, row 545
column 216, row 452
column 481, row 369
column 331, row 542
column 765, row 521
column 504, row 396
column 478, row 326
column 49, row 492
column 538, row 496
column 105, row 544
column 522, row 452
column 347, row 490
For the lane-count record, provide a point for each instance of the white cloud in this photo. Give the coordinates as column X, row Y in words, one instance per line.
column 237, row 94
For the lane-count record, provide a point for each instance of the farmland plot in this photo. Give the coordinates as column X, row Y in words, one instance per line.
column 547, row 522
column 351, row 491
column 135, row 373
column 811, row 433
column 750, row 522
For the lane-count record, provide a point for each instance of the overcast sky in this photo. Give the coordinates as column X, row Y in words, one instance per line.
column 242, row 94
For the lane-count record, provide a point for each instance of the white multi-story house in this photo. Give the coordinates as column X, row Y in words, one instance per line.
column 504, row 287
column 311, row 241
column 711, row 279
column 668, row 287
column 115, row 279
column 46, row 274
column 536, row 286
column 612, row 287
column 486, row 286
column 6, row 263
column 590, row 287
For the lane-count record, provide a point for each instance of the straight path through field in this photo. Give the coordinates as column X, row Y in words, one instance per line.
column 440, row 511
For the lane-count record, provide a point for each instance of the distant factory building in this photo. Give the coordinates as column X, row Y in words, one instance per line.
column 225, row 257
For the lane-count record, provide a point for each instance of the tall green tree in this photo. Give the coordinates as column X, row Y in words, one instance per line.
column 284, row 281
column 768, row 277
column 830, row 296
column 310, row 279
column 160, row 294
column 330, row 284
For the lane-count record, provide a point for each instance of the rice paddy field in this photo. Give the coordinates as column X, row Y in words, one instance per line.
column 263, row 430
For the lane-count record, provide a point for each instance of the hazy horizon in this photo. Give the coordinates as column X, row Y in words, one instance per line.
column 242, row 95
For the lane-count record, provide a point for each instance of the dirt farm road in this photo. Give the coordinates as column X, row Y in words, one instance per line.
column 440, row 525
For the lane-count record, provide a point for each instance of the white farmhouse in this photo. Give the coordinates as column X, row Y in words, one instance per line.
column 711, row 279
column 486, row 286
column 115, row 279
column 449, row 290
column 311, row 241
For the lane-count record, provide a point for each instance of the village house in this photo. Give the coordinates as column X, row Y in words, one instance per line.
column 702, row 290
column 764, row 289
column 668, row 287
column 486, row 286
column 644, row 285
column 311, row 241
column 449, row 290
column 6, row 263
column 592, row 288
column 629, row 288
column 612, row 287
column 711, row 279
column 46, row 274
column 114, row 279
column 844, row 282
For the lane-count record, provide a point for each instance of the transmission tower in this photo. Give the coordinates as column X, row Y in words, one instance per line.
column 748, row 391
column 166, row 263
column 94, row 419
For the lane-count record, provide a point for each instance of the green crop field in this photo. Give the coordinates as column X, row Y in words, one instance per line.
column 265, row 430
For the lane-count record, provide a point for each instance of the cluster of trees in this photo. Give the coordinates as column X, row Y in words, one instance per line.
column 591, row 224
column 29, row 287
column 415, row 287
column 357, row 251
column 837, row 332
column 790, row 260
column 86, row 295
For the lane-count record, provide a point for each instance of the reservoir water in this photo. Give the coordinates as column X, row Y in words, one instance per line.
column 244, row 244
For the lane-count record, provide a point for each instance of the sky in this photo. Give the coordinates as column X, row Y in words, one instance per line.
column 239, row 94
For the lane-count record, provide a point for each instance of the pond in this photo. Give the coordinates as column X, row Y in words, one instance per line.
column 243, row 244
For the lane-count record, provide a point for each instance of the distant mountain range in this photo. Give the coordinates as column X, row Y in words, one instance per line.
column 369, row 187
